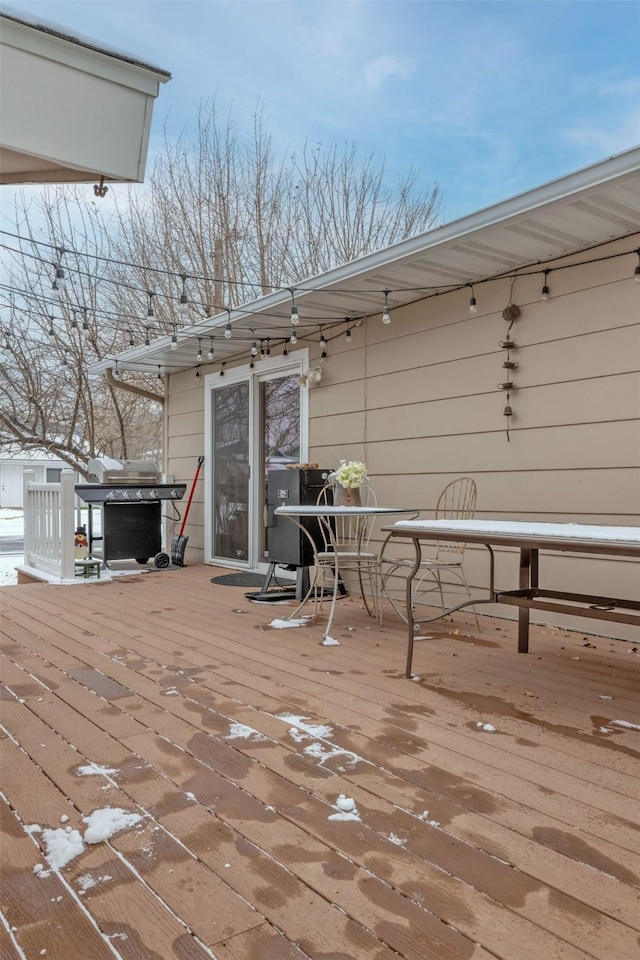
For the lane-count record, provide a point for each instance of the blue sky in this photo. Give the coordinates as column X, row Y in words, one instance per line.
column 488, row 99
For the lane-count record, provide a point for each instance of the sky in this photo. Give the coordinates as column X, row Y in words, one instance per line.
column 486, row 99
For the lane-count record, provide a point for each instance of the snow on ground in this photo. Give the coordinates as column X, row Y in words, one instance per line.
column 11, row 525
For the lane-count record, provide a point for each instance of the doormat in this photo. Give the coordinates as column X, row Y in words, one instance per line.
column 239, row 580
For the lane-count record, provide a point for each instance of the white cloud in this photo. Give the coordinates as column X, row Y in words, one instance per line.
column 378, row 71
column 610, row 136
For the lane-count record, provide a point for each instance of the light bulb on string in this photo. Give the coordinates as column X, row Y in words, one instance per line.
column 131, row 340
column 210, row 352
column 183, row 304
column 58, row 281
column 544, row 293
column 55, row 291
column 85, row 323
column 348, row 336
column 150, row 310
column 222, row 370
column 227, row 330
column 473, row 305
column 252, row 364
column 197, row 373
column 159, row 376
column 74, row 322
column 52, row 332
column 323, row 341
column 295, row 316
column 147, row 336
column 116, row 372
column 254, row 345
column 268, row 348
column 293, row 338
column 285, row 352
column 386, row 313
column 174, row 338
column 199, row 353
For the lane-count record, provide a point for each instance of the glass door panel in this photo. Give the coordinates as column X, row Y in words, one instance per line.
column 279, row 431
column 231, row 471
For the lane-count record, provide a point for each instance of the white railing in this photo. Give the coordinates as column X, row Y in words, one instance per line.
column 49, row 516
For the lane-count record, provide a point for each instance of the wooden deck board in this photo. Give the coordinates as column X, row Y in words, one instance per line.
column 529, row 848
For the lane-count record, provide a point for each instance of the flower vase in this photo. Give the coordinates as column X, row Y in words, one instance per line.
column 346, row 496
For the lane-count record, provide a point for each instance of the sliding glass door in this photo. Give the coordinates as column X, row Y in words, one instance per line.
column 254, row 426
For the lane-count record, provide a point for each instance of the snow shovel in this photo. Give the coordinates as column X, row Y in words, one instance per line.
column 179, row 543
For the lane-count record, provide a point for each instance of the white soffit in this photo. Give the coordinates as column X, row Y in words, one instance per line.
column 589, row 207
column 71, row 112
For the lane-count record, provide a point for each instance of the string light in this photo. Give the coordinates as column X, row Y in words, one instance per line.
column 222, row 370
column 131, row 340
column 227, row 330
column 58, row 277
column 197, row 373
column 52, row 332
column 199, row 353
column 116, row 372
column 285, row 352
column 183, row 305
column 254, row 345
column 386, row 314
column 150, row 310
column 159, row 377
column 147, row 336
column 210, row 353
column 348, row 336
column 268, row 348
column 544, row 293
column 473, row 305
column 85, row 323
column 323, row 341
column 295, row 317
column 293, row 338
column 174, row 338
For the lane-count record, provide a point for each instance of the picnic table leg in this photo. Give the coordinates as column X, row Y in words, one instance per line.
column 409, row 602
column 528, row 571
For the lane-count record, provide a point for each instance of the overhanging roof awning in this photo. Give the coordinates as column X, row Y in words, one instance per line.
column 71, row 112
column 582, row 210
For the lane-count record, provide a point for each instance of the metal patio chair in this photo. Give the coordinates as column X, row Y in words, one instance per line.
column 456, row 502
column 350, row 537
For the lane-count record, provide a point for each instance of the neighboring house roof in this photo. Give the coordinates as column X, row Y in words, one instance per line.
column 579, row 211
column 72, row 110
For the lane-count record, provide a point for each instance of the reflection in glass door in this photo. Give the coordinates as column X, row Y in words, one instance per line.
column 279, row 426
column 231, row 472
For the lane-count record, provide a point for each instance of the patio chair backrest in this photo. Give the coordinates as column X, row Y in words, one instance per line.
column 349, row 532
column 456, row 502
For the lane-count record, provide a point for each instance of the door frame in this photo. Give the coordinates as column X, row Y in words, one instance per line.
column 268, row 368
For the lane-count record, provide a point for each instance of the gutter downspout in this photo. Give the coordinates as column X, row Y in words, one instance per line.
column 129, row 388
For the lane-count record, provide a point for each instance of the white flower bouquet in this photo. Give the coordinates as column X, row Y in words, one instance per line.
column 350, row 474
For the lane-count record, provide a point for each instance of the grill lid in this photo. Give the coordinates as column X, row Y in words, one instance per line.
column 108, row 470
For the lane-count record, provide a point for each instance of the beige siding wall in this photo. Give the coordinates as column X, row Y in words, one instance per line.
column 418, row 400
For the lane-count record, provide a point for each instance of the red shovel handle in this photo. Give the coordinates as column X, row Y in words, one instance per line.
column 193, row 487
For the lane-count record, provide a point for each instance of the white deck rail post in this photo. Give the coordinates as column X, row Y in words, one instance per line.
column 67, row 520
column 28, row 477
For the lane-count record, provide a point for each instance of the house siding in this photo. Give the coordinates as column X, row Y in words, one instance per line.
column 419, row 401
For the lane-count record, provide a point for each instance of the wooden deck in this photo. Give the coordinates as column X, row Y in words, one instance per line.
column 233, row 741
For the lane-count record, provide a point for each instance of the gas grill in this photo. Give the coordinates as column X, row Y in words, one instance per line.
column 129, row 494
